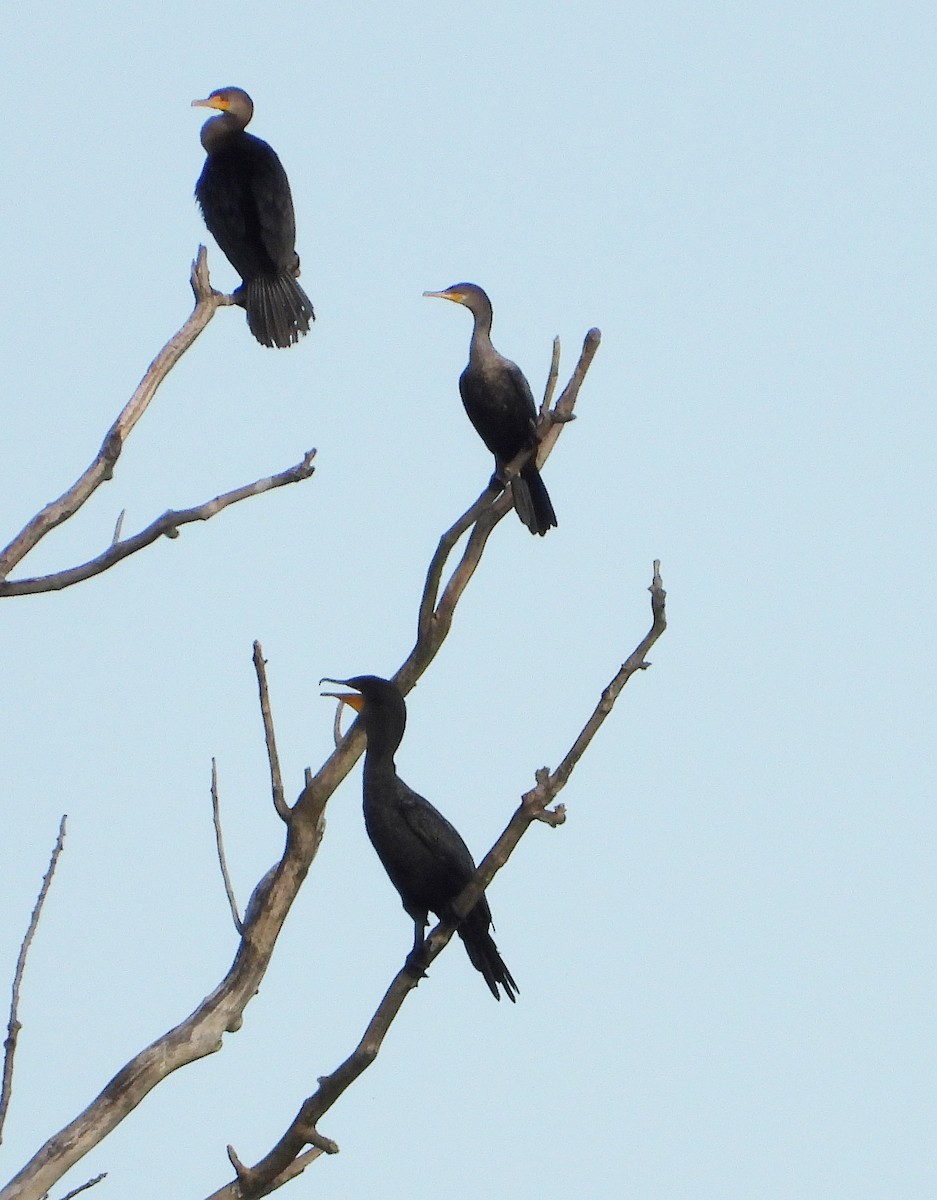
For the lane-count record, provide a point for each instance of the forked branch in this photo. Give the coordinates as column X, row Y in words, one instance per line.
column 168, row 525
column 207, row 302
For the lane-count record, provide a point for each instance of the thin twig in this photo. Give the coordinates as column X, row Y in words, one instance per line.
column 337, row 734
column 207, row 301
column 276, row 778
column 295, row 1168
column 262, row 1178
column 13, row 1025
column 562, row 411
column 168, row 525
column 84, row 1187
column 219, row 843
column 535, row 804
column 551, row 378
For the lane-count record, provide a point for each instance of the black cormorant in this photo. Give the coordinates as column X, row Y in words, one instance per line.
column 500, row 404
column 245, row 199
column 428, row 862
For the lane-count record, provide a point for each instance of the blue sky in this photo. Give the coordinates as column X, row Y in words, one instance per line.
column 727, row 955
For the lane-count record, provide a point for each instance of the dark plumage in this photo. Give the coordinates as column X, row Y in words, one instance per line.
column 428, row 862
column 500, row 404
column 245, row 199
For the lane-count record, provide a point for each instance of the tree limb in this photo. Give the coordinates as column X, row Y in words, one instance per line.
column 168, row 525
column 84, row 1187
column 552, row 377
column 202, row 1032
column 276, row 778
column 207, row 301
column 219, row 846
column 13, row 1025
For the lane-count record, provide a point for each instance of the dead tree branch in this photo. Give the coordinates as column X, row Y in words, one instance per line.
column 219, row 846
column 207, row 301
column 552, row 377
column 276, row 778
column 202, row 1032
column 168, row 525
column 271, row 1172
column 84, row 1187
column 13, row 1025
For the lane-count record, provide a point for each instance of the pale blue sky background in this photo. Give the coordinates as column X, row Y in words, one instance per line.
column 727, row 955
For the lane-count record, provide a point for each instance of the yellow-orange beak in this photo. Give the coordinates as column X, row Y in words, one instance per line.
column 456, row 296
column 352, row 699
column 221, row 102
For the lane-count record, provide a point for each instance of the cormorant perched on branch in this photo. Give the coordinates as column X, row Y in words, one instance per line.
column 425, row 857
column 245, row 199
column 500, row 404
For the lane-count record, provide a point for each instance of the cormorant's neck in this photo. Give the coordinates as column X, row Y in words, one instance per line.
column 219, row 129
column 481, row 333
column 379, row 766
column 384, row 734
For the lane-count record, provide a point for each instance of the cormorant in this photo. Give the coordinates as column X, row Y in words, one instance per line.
column 500, row 404
column 424, row 855
column 245, row 199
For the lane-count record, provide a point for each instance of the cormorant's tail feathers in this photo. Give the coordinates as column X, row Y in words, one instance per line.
column 532, row 500
column 278, row 310
column 484, row 956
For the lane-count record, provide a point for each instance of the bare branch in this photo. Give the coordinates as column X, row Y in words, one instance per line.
column 535, row 803
column 337, row 734
column 270, row 1172
column 438, row 562
column 168, row 525
column 207, row 300
column 219, row 843
column 276, row 778
column 551, row 379
column 202, row 1032
column 562, row 411
column 13, row 1025
column 636, row 661
column 296, row 1167
column 84, row 1187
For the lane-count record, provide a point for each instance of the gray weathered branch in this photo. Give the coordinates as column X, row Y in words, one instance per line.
column 13, row 1025
column 168, row 525
column 276, row 777
column 207, row 301
column 219, row 846
column 84, row 1186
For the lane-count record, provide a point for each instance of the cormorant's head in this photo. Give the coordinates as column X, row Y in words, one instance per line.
column 233, row 100
column 379, row 701
column 470, row 294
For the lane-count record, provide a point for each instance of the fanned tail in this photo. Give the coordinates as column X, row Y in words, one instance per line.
column 532, row 500
column 484, row 956
column 278, row 310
